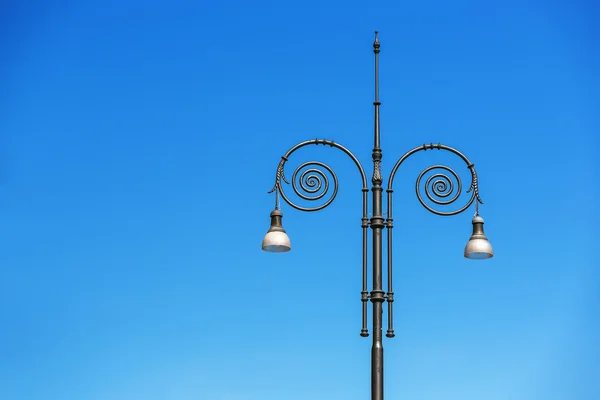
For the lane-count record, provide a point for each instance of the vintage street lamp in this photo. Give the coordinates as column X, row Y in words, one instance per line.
column 439, row 188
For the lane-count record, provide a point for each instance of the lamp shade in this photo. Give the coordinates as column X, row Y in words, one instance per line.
column 276, row 240
column 478, row 247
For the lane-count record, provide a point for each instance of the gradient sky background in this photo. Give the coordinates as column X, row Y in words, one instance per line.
column 139, row 139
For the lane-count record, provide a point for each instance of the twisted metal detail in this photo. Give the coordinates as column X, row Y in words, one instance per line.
column 279, row 175
column 377, row 171
column 474, row 183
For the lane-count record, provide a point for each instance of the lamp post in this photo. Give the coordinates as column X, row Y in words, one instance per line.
column 438, row 188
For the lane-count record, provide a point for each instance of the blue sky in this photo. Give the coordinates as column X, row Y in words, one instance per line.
column 139, row 139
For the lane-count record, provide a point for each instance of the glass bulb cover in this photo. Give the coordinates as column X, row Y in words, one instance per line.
column 479, row 249
column 276, row 242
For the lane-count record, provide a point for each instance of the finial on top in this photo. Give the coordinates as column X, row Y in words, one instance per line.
column 376, row 42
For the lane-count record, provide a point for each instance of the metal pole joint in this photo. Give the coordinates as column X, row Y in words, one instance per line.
column 377, row 296
column 377, row 223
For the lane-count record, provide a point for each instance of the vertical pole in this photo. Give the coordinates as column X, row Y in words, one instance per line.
column 377, row 224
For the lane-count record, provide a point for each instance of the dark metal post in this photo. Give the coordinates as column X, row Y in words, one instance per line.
column 377, row 224
column 310, row 177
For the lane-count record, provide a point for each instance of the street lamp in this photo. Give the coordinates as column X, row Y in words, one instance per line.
column 313, row 180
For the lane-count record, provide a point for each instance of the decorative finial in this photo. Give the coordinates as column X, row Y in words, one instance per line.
column 376, row 42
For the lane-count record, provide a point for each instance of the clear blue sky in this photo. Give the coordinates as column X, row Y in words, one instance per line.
column 139, row 139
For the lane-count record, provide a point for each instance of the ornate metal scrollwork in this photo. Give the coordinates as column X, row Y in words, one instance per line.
column 444, row 187
column 441, row 188
column 312, row 184
column 312, row 180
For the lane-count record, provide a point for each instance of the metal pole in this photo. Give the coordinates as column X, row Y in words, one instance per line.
column 377, row 224
column 438, row 195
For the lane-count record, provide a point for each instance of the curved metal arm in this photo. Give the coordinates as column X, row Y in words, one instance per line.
column 311, row 181
column 442, row 187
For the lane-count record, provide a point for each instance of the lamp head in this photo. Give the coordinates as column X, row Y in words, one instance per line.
column 478, row 247
column 276, row 240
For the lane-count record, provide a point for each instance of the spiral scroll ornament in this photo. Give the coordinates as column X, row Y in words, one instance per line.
column 311, row 182
column 443, row 187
